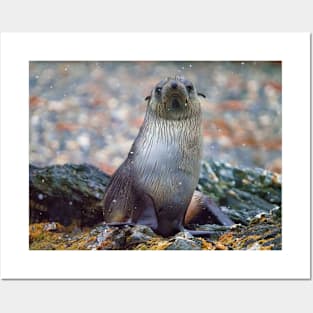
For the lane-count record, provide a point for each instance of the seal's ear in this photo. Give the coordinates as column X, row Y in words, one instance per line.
column 201, row 94
column 147, row 98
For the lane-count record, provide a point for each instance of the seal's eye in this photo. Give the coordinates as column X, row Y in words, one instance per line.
column 189, row 88
column 158, row 90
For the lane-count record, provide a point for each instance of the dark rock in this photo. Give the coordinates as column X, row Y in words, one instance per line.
column 184, row 244
column 66, row 193
column 241, row 192
column 139, row 234
column 72, row 194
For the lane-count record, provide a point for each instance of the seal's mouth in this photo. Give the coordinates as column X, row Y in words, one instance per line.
column 178, row 101
column 175, row 103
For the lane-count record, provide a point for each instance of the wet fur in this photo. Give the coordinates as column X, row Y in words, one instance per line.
column 156, row 182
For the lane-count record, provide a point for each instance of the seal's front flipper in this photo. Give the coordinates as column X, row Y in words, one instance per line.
column 123, row 204
column 119, row 197
column 120, row 224
column 203, row 210
column 200, row 233
column 144, row 211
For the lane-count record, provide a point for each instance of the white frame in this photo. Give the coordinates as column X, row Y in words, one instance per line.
column 292, row 262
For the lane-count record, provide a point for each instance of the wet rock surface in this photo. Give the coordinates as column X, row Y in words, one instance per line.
column 241, row 192
column 67, row 193
column 250, row 197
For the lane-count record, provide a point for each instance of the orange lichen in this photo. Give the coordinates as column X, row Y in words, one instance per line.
column 220, row 246
column 226, row 238
column 205, row 245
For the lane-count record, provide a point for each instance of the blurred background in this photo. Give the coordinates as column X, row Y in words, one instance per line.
column 90, row 112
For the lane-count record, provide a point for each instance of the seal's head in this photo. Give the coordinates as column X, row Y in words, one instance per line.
column 174, row 99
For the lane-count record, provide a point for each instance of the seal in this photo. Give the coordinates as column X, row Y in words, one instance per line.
column 155, row 185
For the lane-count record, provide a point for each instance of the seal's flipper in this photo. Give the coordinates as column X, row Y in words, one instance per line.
column 144, row 211
column 215, row 213
column 120, row 224
column 200, row 233
column 124, row 204
column 203, row 210
column 119, row 197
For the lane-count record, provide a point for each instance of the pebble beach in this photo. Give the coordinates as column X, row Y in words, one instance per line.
column 90, row 112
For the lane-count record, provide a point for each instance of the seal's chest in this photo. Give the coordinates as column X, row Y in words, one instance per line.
column 163, row 165
column 162, row 155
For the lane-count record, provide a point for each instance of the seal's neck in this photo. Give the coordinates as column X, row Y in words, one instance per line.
column 156, row 130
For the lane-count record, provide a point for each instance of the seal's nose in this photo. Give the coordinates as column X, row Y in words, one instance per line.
column 174, row 85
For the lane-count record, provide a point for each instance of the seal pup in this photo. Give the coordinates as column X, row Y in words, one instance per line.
column 155, row 185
